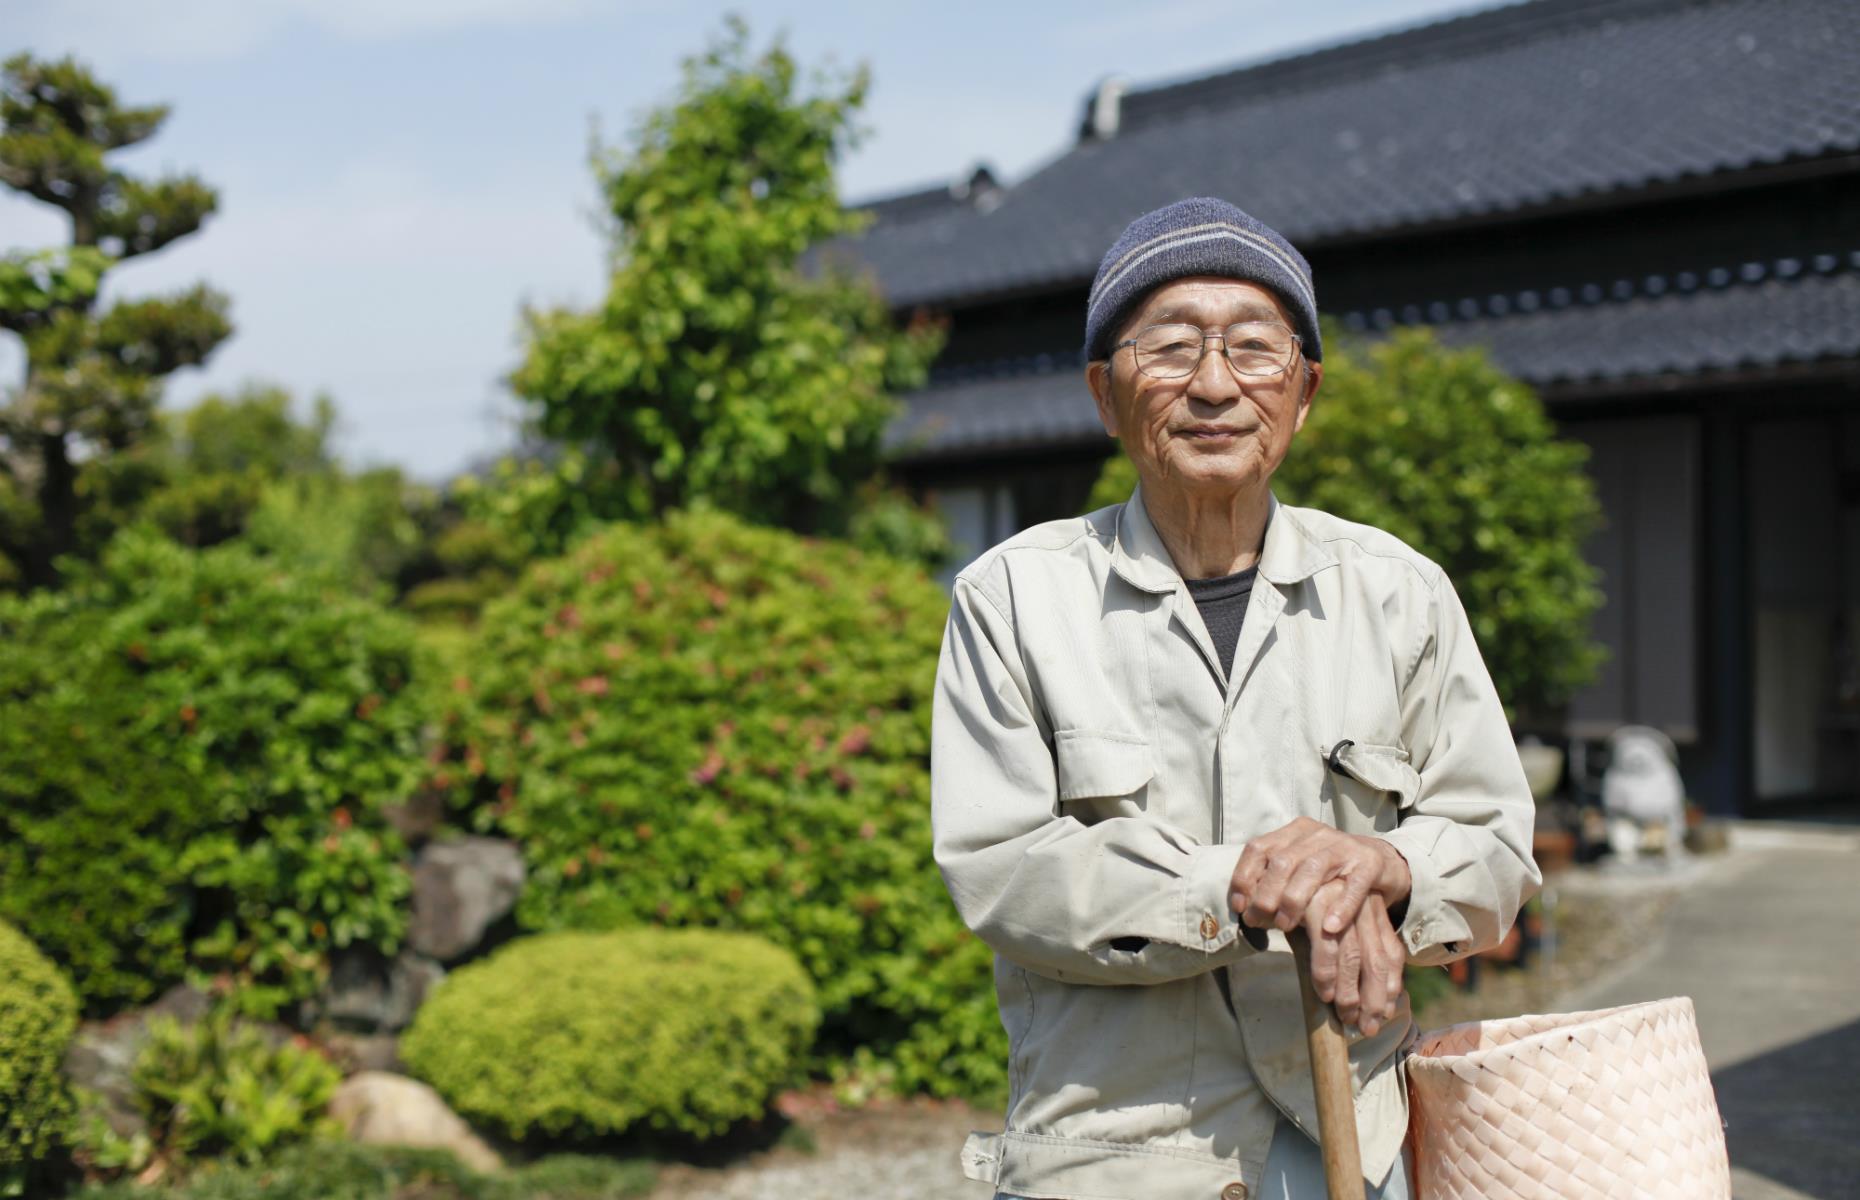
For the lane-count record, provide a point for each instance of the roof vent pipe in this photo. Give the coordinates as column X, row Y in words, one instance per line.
column 1106, row 109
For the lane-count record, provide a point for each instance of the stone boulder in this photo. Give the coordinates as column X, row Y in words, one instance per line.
column 356, row 1052
column 460, row 887
column 381, row 1109
column 368, row 992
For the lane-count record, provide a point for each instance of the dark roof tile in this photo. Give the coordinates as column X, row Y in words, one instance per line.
column 1499, row 111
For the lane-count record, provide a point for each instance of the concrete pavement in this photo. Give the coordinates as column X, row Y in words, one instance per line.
column 1766, row 941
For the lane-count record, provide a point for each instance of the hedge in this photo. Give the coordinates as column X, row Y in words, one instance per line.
column 208, row 739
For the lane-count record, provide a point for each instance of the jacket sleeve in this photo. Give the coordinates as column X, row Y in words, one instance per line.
column 1467, row 838
column 1127, row 900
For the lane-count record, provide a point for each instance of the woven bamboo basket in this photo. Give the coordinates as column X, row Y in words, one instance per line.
column 1603, row 1105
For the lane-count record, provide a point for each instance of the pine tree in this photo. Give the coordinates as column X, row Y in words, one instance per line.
column 93, row 372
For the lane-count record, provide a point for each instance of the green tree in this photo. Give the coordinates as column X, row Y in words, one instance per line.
column 202, row 472
column 91, row 381
column 1445, row 451
column 718, row 371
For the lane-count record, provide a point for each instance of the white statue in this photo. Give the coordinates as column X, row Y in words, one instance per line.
column 1642, row 791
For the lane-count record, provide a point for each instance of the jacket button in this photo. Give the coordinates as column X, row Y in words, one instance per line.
column 1234, row 1191
column 1209, row 927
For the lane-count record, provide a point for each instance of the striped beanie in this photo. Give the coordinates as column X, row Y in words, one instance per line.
column 1202, row 236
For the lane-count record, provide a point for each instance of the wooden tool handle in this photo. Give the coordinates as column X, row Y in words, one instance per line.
column 1330, row 1079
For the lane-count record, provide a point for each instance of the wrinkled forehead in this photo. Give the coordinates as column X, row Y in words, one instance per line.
column 1209, row 301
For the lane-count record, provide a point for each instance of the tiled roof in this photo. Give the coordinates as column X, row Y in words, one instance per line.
column 1774, row 323
column 991, row 414
column 1796, row 313
column 1516, row 109
column 977, row 189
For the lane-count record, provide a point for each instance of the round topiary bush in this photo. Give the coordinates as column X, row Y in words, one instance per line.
column 578, row 1035
column 208, row 738
column 706, row 723
column 38, row 1015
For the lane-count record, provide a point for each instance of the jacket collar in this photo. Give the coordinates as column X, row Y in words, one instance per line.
column 1138, row 555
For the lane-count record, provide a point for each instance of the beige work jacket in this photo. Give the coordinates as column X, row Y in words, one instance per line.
column 1095, row 775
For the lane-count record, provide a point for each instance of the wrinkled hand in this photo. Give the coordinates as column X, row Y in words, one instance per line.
column 1358, row 972
column 1280, row 872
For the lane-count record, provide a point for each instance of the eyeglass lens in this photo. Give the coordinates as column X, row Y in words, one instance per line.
column 1253, row 348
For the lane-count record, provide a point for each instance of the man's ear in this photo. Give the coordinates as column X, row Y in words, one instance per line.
column 1314, row 376
column 1098, row 379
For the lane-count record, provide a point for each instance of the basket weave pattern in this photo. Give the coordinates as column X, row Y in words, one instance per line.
column 1601, row 1105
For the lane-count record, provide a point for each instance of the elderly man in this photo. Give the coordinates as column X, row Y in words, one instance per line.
column 1172, row 730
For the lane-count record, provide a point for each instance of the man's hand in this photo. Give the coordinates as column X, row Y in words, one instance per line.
column 1359, row 971
column 1279, row 873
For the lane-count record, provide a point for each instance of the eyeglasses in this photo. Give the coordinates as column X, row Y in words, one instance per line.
column 1257, row 349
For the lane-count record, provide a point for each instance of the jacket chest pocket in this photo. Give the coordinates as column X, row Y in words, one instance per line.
column 1102, row 774
column 1373, row 785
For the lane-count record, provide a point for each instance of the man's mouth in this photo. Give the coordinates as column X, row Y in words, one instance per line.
column 1208, row 432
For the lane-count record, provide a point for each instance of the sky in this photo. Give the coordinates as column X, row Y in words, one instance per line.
column 399, row 178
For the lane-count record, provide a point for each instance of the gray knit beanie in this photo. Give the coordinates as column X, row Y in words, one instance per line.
column 1202, row 236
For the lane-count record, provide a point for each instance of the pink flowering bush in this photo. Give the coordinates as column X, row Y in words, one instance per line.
column 705, row 723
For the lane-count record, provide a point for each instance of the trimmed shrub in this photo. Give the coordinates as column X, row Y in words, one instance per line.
column 208, row 739
column 703, row 723
column 38, row 1015
column 579, row 1035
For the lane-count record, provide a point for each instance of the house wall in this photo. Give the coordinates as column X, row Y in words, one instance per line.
column 1646, row 473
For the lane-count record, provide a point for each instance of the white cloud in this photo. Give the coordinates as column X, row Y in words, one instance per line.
column 192, row 30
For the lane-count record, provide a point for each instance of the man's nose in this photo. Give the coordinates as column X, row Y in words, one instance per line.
column 1214, row 379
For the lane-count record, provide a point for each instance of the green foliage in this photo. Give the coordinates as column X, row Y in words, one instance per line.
column 1445, row 451
column 581, row 1035
column 535, row 508
column 365, row 528
column 221, row 1089
column 333, row 1170
column 34, row 285
column 887, row 521
column 38, row 1015
column 1425, row 985
column 706, row 723
column 202, row 472
column 92, row 378
column 716, row 371
column 197, row 751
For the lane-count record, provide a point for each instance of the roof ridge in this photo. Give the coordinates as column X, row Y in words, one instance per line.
column 1448, row 38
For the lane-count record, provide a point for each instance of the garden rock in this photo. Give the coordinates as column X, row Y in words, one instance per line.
column 461, row 886
column 381, row 1109
column 368, row 992
column 356, row 1052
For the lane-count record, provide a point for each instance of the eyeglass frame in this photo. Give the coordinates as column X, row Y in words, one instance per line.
column 1298, row 345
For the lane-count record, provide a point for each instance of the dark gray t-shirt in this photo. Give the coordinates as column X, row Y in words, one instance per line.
column 1222, row 603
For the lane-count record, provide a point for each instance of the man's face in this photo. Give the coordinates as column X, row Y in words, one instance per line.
column 1212, row 432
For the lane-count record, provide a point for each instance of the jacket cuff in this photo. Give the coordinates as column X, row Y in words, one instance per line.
column 1432, row 931
column 1207, row 921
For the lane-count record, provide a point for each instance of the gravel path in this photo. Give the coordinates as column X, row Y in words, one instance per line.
column 904, row 1151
